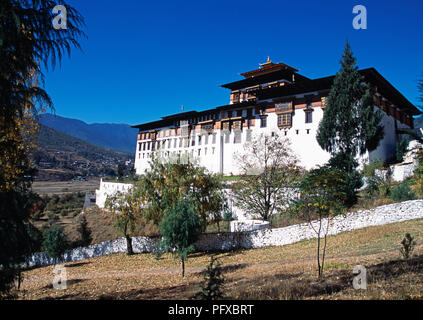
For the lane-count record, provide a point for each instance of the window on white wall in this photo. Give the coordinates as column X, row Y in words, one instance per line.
column 248, row 135
column 237, row 136
column 308, row 117
column 284, row 120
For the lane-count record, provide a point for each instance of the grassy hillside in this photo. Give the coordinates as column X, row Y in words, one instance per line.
column 59, row 156
column 287, row 272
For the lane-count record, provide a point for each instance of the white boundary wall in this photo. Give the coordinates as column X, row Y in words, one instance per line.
column 254, row 239
column 107, row 189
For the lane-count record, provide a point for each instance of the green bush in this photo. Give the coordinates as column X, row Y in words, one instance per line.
column 401, row 150
column 52, row 216
column 55, row 243
column 402, row 192
column 373, row 186
column 84, row 232
column 227, row 215
column 211, row 287
column 407, row 246
column 369, row 170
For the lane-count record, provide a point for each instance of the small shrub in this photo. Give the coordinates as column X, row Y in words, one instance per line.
column 408, row 245
column 373, row 186
column 52, row 216
column 157, row 253
column 418, row 175
column 84, row 232
column 369, row 170
column 385, row 190
column 402, row 147
column 211, row 288
column 228, row 216
column 55, row 243
column 402, row 192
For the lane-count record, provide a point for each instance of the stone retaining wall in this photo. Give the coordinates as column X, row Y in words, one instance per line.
column 255, row 239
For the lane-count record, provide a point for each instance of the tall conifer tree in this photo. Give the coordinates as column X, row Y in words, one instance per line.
column 351, row 125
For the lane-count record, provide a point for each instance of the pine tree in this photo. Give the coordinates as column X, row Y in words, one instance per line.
column 84, row 232
column 180, row 229
column 55, row 243
column 211, row 288
column 350, row 126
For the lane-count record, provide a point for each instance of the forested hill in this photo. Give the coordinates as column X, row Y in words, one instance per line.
column 59, row 156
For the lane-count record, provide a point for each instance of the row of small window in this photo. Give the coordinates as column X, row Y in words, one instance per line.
column 285, row 119
column 183, row 142
column 179, row 153
column 237, row 136
column 215, row 116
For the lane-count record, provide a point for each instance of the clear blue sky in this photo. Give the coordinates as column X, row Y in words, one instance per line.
column 143, row 60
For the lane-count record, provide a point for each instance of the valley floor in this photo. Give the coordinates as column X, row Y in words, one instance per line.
column 61, row 187
column 287, row 272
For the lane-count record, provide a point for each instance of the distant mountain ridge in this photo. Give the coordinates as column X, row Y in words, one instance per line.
column 119, row 137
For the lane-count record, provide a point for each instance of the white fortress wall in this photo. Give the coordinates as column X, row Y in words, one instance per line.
column 107, row 189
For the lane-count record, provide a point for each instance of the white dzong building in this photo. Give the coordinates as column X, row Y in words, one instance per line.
column 272, row 99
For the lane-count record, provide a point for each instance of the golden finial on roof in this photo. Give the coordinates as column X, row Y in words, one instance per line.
column 267, row 62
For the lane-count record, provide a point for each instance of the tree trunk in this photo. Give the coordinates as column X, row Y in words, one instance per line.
column 183, row 267
column 318, row 256
column 324, row 246
column 318, row 246
column 129, row 249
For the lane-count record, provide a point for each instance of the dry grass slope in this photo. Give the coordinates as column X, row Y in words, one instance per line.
column 285, row 272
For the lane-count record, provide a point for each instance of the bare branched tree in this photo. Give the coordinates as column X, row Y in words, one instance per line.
column 269, row 169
